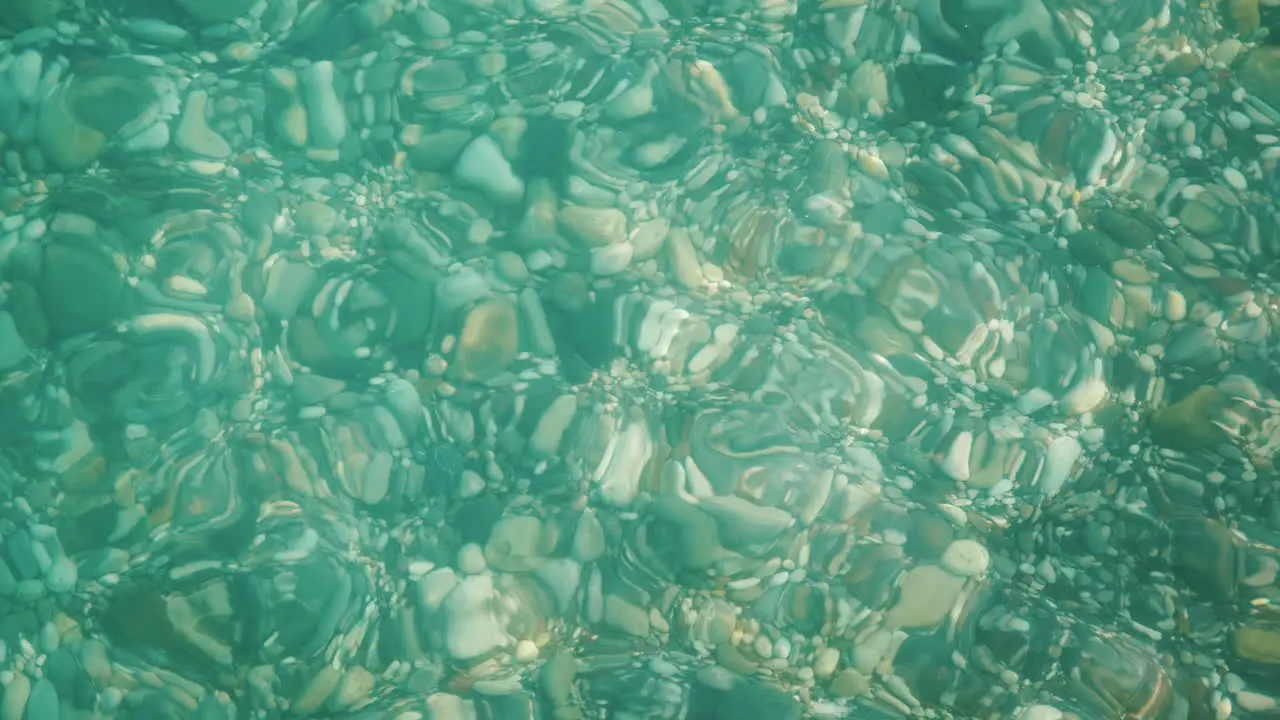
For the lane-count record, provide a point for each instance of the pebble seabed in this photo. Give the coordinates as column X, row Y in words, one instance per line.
column 704, row 359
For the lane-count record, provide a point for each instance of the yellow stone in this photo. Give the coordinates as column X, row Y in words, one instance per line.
column 1259, row 643
column 1188, row 423
column 1244, row 16
column 489, row 341
column 925, row 596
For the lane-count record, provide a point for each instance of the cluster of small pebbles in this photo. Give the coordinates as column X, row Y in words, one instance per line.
column 689, row 359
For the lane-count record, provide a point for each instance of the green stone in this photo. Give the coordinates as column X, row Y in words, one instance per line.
column 29, row 13
column 69, row 144
column 1258, row 71
column 1189, row 423
column 216, row 11
column 316, row 218
column 1094, row 249
column 114, row 96
column 81, row 290
column 1126, row 229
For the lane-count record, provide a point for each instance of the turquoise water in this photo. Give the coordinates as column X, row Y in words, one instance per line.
column 698, row 359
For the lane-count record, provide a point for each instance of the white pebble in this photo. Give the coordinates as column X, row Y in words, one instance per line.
column 470, row 484
column 1041, row 712
column 967, row 558
column 471, row 559
column 1235, row 178
column 782, row 648
column 1110, row 43
column 762, row 646
column 526, row 652
column 826, row 661
column 1172, row 118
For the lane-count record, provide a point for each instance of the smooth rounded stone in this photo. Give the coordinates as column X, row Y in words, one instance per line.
column 925, row 596
column 683, row 260
column 13, row 350
column 697, row 535
column 828, row 167
column 526, row 652
column 825, row 662
column 612, row 259
column 1041, row 712
column 216, row 11
column 744, row 698
column 1172, row 118
column 556, row 677
column 589, row 541
column 731, row 658
column 966, row 558
column 470, row 484
column 313, row 389
column 1257, row 642
column 461, row 288
column 14, row 697
column 95, row 659
column 1257, row 702
column 24, row 305
column 1094, row 248
column 515, row 544
column 745, row 523
column 1191, row 423
column 22, row 553
column 649, row 237
column 327, row 119
column 152, row 139
column 471, row 559
column 24, row 74
column 762, row 646
column 632, row 103
column 156, row 32
column 315, row 218
column 472, row 628
column 1061, row 456
column 288, row 285
column 549, row 432
column 194, row 134
column 8, row 583
column 626, row 616
column 441, row 76
column 480, row 231
column 1202, row 219
column 97, row 563
column 431, row 589
column 446, row 706
column 509, row 132
column 563, row 577
column 64, row 140
column 68, row 269
column 489, row 341
column 436, row 152
column 593, row 226
column 1258, row 72
column 483, row 166
column 354, row 690
column 30, row 14
column 317, row 690
column 292, row 123
column 849, row 683
column 653, row 154
column 62, row 576
column 1194, row 346
column 121, row 96
column 511, row 267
